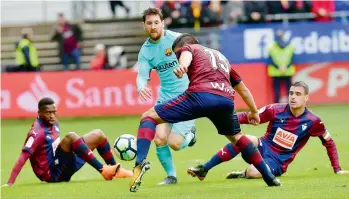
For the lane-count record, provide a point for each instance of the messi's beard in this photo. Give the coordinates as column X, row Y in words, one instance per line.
column 155, row 39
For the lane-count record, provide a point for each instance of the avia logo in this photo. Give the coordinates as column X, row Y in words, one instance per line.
column 285, row 138
column 29, row 99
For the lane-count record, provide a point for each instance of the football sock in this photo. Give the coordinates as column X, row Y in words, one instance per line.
column 251, row 155
column 165, row 157
column 186, row 140
column 226, row 153
column 82, row 150
column 105, row 151
column 146, row 133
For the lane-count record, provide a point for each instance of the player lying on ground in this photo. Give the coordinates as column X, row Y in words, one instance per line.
column 290, row 127
column 156, row 53
column 210, row 94
column 54, row 160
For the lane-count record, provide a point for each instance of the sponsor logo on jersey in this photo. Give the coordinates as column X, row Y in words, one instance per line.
column 168, row 52
column 284, row 138
column 222, row 87
column 30, row 142
column 166, row 66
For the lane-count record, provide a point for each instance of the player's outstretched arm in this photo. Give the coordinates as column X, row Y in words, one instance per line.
column 266, row 114
column 18, row 167
column 319, row 129
column 184, row 63
column 143, row 77
column 246, row 95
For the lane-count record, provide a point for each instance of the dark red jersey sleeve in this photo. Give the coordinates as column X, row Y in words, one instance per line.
column 235, row 78
column 182, row 49
column 318, row 129
column 35, row 138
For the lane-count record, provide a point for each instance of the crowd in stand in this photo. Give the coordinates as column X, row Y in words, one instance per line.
column 177, row 14
column 196, row 14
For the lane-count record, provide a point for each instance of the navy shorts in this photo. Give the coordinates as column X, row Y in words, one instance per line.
column 270, row 159
column 65, row 165
column 189, row 106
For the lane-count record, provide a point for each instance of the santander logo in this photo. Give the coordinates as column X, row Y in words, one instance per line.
column 38, row 89
column 337, row 78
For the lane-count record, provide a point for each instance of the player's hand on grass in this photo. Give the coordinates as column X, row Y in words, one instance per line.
column 342, row 172
column 145, row 94
column 253, row 118
column 180, row 71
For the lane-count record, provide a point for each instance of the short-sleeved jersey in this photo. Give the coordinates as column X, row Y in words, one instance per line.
column 159, row 56
column 210, row 71
column 41, row 142
column 287, row 134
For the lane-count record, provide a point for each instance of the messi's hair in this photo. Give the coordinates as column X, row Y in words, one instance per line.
column 45, row 101
column 303, row 85
column 183, row 40
column 152, row 11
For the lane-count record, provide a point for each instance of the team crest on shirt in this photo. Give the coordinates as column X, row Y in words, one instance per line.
column 304, row 126
column 168, row 52
column 284, row 138
column 56, row 128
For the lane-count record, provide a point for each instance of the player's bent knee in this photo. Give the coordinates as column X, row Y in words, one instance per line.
column 72, row 136
column 176, row 146
column 160, row 140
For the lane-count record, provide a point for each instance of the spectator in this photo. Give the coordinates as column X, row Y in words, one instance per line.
column 323, row 10
column 69, row 38
column 171, row 11
column 26, row 54
column 280, row 67
column 279, row 7
column 114, row 4
column 232, row 11
column 100, row 60
column 255, row 11
column 199, row 14
column 342, row 6
column 300, row 6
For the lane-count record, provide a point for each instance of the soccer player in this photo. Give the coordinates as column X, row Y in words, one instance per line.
column 55, row 160
column 156, row 53
column 210, row 94
column 290, row 127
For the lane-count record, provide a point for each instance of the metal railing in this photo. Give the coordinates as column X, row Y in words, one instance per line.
column 285, row 18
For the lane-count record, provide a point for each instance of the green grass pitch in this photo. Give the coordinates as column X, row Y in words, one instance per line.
column 309, row 176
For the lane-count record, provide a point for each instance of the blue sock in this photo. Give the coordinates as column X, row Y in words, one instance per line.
column 165, row 157
column 224, row 154
column 251, row 155
column 146, row 133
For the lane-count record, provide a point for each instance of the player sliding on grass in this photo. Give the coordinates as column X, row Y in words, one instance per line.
column 156, row 53
column 290, row 127
column 54, row 160
column 210, row 94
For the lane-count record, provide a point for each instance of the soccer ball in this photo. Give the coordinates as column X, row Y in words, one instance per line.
column 125, row 147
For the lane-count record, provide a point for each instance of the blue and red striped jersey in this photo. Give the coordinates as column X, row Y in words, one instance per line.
column 287, row 134
column 41, row 142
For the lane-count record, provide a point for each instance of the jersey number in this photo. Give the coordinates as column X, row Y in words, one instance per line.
column 221, row 63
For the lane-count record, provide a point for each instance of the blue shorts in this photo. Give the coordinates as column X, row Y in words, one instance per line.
column 270, row 159
column 181, row 128
column 65, row 165
column 189, row 106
